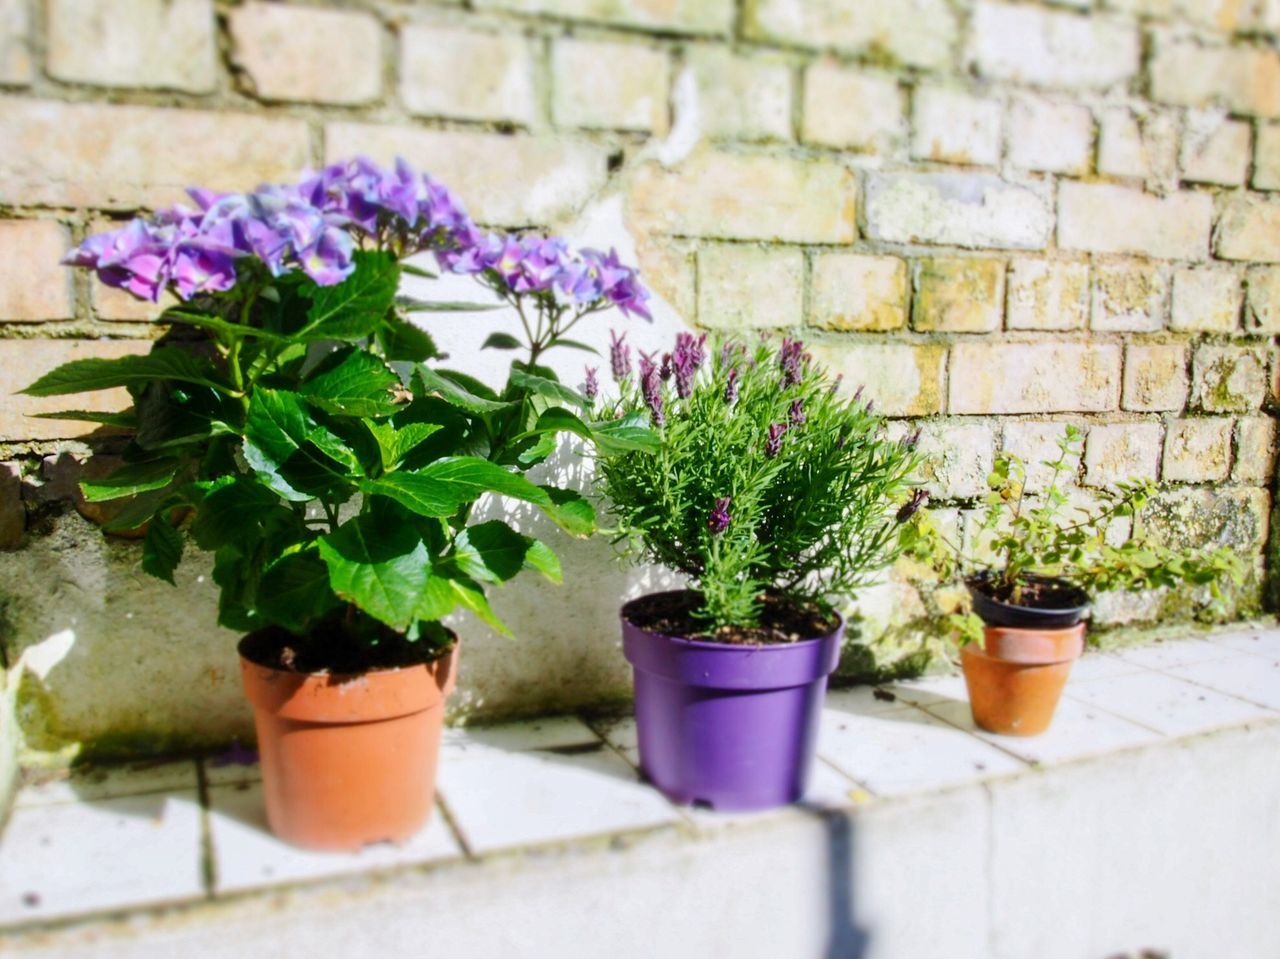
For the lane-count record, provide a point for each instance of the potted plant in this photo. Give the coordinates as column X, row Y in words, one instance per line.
column 776, row 498
column 300, row 422
column 1036, row 562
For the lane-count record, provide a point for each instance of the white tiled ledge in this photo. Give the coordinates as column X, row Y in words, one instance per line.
column 120, row 862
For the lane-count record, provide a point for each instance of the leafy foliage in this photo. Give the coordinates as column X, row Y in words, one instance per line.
column 1050, row 536
column 766, row 483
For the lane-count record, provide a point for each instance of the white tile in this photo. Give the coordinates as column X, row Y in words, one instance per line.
column 621, row 735
column 247, row 855
column 69, row 858
column 1247, row 677
column 499, row 798
column 1166, row 703
column 558, row 732
column 1174, row 652
column 109, row 782
column 1264, row 643
column 1098, row 665
column 931, row 689
column 865, row 700
column 1078, row 730
column 907, row 750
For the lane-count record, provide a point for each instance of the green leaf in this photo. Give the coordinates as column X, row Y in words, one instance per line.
column 573, row 345
column 353, row 383
column 125, row 420
column 501, row 341
column 395, row 444
column 631, row 433
column 356, row 307
column 401, row 340
column 294, row 591
column 238, row 510
column 493, row 552
column 161, row 549
column 175, row 414
column 275, row 429
column 131, row 479
column 442, row 487
column 413, row 270
column 429, row 381
column 547, row 388
column 472, row 597
column 571, row 511
column 162, row 363
column 411, row 305
column 379, row 563
column 223, row 329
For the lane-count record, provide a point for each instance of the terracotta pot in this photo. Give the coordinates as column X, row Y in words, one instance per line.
column 348, row 760
column 1016, row 679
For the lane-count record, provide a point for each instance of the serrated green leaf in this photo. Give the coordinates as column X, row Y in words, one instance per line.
column 442, row 487
column 294, row 591
column 472, row 597
column 395, row 444
column 571, row 511
column 123, row 420
column 402, row 341
column 241, row 511
column 130, row 480
column 218, row 326
column 432, row 382
column 161, row 549
column 631, row 433
column 379, row 564
column 493, row 552
column 353, row 383
column 356, row 307
column 162, row 363
column 275, row 429
column 547, row 388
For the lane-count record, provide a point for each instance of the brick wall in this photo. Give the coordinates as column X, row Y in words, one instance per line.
column 998, row 216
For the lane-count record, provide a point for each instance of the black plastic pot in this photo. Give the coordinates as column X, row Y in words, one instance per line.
column 995, row 612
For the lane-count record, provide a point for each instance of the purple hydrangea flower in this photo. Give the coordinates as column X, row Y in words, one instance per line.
column 591, row 388
column 773, row 446
column 731, row 387
column 719, row 519
column 619, row 356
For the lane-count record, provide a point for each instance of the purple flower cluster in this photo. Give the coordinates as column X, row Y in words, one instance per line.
column 773, row 445
column 719, row 519
column 314, row 225
column 796, row 415
column 688, row 356
column 651, row 388
column 591, row 388
column 792, row 358
column 619, row 356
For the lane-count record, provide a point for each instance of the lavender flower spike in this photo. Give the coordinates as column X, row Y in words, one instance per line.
column 796, row 415
column 912, row 506
column 791, row 358
column 619, row 356
column 773, row 446
column 731, row 387
column 685, row 360
column 591, row 388
column 720, row 519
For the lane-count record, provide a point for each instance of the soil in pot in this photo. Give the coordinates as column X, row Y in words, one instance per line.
column 730, row 725
column 1041, row 602
column 348, row 757
column 672, row 614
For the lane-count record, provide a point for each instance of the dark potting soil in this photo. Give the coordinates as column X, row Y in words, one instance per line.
column 671, row 614
column 1036, row 593
column 331, row 648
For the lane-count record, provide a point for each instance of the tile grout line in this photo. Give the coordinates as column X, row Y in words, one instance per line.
column 208, row 864
column 452, row 824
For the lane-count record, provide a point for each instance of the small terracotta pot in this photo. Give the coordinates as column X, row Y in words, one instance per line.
column 348, row 760
column 1016, row 679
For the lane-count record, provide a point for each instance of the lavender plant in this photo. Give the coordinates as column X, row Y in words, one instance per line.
column 769, row 490
column 330, row 464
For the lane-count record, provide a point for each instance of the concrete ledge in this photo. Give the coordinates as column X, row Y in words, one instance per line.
column 1149, row 821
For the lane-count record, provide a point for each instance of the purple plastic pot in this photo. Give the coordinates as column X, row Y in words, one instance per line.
column 729, row 727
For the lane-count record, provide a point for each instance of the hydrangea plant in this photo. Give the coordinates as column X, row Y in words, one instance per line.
column 769, row 489
column 303, row 423
column 1026, row 543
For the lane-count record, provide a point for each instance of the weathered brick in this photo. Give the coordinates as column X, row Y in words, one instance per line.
column 162, row 44
column 851, row 291
column 13, row 512
column 958, row 209
column 680, row 16
column 1139, row 145
column 958, row 295
column 1129, row 296
column 1229, row 379
column 748, row 197
column 1034, row 377
column 1155, row 377
column 667, row 268
column 1262, row 308
column 609, row 86
column 850, row 109
column 1049, row 48
column 1205, row 300
column 471, row 74
column 1241, row 78
column 1248, row 229
column 1102, row 218
column 902, row 379
column 1047, row 295
column 742, row 98
column 1266, row 157
column 1118, row 452
column 1198, row 450
column 22, row 362
column 67, row 154
column 33, row 286
column 745, row 286
column 1216, row 152
column 919, row 33
column 112, row 303
column 1255, row 460
column 1049, row 136
column 1035, row 442
column 556, row 176
column 959, row 457
column 1225, row 15
column 1193, row 518
column 308, row 54
column 15, row 52
column 952, row 126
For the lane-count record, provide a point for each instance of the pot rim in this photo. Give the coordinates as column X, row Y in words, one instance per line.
column 339, row 678
column 837, row 630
